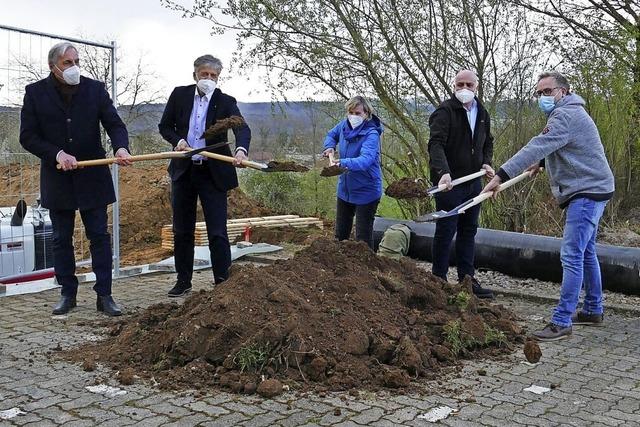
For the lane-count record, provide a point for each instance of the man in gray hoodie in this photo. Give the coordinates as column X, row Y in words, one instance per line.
column 581, row 181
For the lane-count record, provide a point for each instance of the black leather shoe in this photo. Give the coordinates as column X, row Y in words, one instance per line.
column 479, row 291
column 107, row 305
column 65, row 304
column 179, row 289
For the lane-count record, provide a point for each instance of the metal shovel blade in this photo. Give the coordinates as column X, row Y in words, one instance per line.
column 432, row 216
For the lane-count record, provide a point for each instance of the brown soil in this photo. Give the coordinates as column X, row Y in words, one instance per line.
column 336, row 316
column 332, row 170
column 296, row 235
column 532, row 351
column 223, row 125
column 407, row 188
column 286, row 166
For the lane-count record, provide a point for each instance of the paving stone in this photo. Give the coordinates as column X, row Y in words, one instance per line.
column 595, row 373
column 402, row 415
column 369, row 416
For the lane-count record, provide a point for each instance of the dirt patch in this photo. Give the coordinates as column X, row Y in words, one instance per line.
column 332, row 170
column 407, row 188
column 620, row 237
column 286, row 166
column 275, row 235
column 336, row 316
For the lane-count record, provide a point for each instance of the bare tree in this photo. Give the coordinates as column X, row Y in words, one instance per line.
column 401, row 53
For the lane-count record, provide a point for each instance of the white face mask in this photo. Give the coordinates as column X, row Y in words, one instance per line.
column 207, row 86
column 71, row 75
column 354, row 120
column 465, row 95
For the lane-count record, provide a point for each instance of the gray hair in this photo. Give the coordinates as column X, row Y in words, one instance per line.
column 560, row 79
column 58, row 50
column 209, row 61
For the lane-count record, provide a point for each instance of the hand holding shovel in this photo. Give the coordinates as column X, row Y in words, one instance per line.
column 152, row 156
column 334, row 167
column 486, row 194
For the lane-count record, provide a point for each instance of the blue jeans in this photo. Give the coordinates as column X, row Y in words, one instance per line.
column 579, row 261
column 463, row 226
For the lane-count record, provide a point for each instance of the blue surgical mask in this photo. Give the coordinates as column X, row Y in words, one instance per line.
column 547, row 103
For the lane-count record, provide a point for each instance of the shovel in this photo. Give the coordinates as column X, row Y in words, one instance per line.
column 152, row 156
column 332, row 170
column 460, row 209
column 272, row 166
column 438, row 188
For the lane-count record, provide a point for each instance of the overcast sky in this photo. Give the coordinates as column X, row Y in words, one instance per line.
column 168, row 42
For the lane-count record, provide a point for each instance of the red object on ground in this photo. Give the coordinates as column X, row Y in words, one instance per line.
column 28, row 277
column 247, row 233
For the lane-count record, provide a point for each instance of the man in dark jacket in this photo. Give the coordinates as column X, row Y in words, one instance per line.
column 189, row 112
column 460, row 144
column 60, row 123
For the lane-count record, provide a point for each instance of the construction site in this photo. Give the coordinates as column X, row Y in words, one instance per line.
column 306, row 330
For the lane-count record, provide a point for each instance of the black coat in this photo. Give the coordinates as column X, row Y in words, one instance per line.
column 47, row 126
column 174, row 126
column 451, row 148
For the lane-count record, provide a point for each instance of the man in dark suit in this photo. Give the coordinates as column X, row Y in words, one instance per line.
column 60, row 123
column 189, row 112
column 460, row 143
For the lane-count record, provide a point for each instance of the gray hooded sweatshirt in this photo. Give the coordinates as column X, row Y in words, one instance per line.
column 573, row 153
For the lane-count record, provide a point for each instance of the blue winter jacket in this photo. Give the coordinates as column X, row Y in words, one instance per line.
column 359, row 151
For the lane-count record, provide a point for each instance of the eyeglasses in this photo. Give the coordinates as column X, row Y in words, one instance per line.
column 546, row 92
column 470, row 85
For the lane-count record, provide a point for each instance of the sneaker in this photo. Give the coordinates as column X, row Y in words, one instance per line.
column 552, row 332
column 582, row 318
column 479, row 291
column 179, row 289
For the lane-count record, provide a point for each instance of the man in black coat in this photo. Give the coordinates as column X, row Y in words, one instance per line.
column 189, row 112
column 460, row 143
column 60, row 124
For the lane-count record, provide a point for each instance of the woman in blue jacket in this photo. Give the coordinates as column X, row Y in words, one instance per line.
column 360, row 186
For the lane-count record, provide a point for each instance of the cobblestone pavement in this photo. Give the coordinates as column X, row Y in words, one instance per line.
column 593, row 378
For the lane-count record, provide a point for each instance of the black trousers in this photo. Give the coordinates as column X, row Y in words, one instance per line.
column 193, row 184
column 364, row 214
column 463, row 226
column 64, row 262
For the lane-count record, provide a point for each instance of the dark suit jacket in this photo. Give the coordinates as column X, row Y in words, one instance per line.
column 48, row 126
column 451, row 147
column 174, row 126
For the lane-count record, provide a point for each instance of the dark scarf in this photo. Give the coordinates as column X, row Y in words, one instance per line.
column 65, row 91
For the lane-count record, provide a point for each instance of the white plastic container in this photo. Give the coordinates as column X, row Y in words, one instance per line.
column 17, row 249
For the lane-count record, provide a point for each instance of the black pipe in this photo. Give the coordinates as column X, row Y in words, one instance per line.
column 525, row 255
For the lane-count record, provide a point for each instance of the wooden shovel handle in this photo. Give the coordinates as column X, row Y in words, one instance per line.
column 462, row 179
column 229, row 159
column 138, row 158
column 484, row 196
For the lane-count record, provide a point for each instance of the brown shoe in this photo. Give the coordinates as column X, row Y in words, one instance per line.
column 552, row 332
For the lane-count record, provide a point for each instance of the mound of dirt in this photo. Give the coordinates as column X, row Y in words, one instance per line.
column 336, row 316
column 407, row 188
